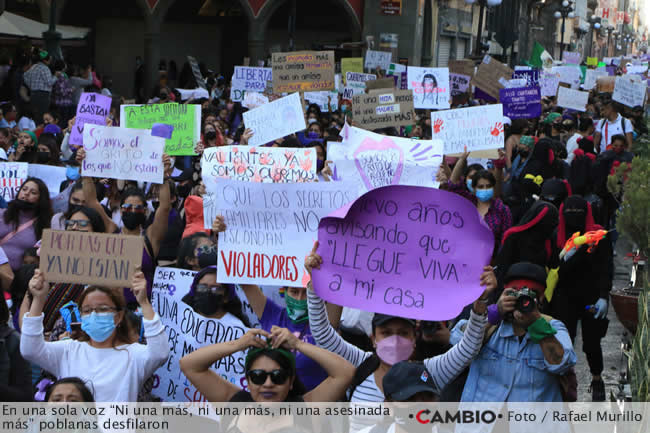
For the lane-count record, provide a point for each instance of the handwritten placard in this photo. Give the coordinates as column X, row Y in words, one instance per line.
column 571, row 57
column 377, row 59
column 459, row 84
column 572, row 99
column 569, row 74
column 629, row 93
column 430, row 87
column 351, row 64
column 491, row 76
column 189, row 331
column 591, row 77
column 249, row 79
column 383, row 108
column 259, row 164
column 357, row 81
column 549, row 82
column 275, row 119
column 270, row 227
column 462, row 67
column 108, row 260
column 12, row 176
column 606, row 84
column 521, row 102
column 327, row 100
column 419, row 255
column 531, row 76
column 254, row 100
column 122, row 153
column 478, row 128
column 185, row 118
column 93, row 108
column 303, row 71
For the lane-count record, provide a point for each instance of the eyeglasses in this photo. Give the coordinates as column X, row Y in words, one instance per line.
column 102, row 309
column 207, row 288
column 137, row 208
column 258, row 377
column 78, row 223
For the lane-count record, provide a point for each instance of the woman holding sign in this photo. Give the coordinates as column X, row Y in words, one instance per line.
column 105, row 356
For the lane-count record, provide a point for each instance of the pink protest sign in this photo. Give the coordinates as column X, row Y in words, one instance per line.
column 92, row 108
column 407, row 251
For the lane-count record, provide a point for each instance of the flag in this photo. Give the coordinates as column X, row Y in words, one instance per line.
column 540, row 57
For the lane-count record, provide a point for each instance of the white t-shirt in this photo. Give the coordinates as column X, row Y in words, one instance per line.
column 571, row 145
column 608, row 129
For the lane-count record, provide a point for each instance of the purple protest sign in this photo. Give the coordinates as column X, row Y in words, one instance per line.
column 611, row 70
column 531, row 76
column 479, row 94
column 521, row 102
column 407, row 251
column 92, row 108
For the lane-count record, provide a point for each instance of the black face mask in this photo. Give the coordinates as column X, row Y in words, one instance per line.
column 524, row 153
column 25, row 205
column 42, row 157
column 208, row 259
column 208, row 303
column 133, row 220
column 184, row 190
column 574, row 221
column 155, row 205
column 211, row 135
column 72, row 208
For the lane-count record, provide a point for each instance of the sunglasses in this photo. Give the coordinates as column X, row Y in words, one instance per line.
column 138, row 208
column 208, row 288
column 205, row 249
column 258, row 377
column 78, row 223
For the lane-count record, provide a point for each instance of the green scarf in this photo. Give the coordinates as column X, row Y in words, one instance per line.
column 296, row 310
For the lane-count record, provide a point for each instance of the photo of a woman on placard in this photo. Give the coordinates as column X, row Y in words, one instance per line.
column 429, row 93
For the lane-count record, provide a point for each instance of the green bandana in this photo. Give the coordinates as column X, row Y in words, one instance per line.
column 285, row 353
column 540, row 329
column 297, row 310
column 527, row 141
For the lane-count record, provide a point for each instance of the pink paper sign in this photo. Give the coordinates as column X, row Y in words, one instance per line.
column 407, row 251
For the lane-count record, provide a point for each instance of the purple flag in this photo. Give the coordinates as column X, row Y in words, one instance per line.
column 404, row 250
column 92, row 108
column 521, row 102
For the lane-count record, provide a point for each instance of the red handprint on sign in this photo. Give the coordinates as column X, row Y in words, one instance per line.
column 306, row 164
column 498, row 129
column 437, row 126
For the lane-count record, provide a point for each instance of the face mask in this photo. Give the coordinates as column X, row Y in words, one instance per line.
column 184, row 190
column 394, row 349
column 25, row 205
column 133, row 220
column 98, row 326
column 311, row 120
column 208, row 259
column 319, row 165
column 211, row 135
column 72, row 173
column 484, row 194
column 344, row 108
column 574, row 220
column 42, row 157
column 72, row 208
column 468, row 182
column 312, row 134
column 297, row 310
column 208, row 303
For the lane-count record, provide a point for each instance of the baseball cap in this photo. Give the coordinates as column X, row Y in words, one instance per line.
column 379, row 319
column 535, row 274
column 405, row 379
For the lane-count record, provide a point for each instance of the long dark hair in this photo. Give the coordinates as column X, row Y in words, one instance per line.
column 122, row 336
column 298, row 389
column 95, row 219
column 77, row 186
column 78, row 383
column 43, row 210
column 186, row 249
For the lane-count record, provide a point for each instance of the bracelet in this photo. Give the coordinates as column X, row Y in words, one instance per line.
column 483, row 301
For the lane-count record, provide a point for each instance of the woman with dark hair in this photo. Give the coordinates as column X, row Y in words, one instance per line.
column 24, row 220
column 75, row 200
column 104, row 327
column 518, row 129
column 15, row 376
column 189, row 250
column 47, row 151
column 429, row 90
column 69, row 390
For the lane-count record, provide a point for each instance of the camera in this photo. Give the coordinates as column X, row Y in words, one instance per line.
column 526, row 300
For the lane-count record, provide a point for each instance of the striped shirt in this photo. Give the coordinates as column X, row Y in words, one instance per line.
column 443, row 368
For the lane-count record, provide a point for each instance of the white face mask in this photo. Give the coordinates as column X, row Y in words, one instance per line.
column 312, row 120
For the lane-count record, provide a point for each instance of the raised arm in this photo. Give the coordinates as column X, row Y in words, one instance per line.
column 158, row 229
column 90, row 195
column 457, row 172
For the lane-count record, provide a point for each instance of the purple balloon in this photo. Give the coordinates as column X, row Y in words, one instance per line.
column 407, row 251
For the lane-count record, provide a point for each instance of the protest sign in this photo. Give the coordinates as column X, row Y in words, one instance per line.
column 270, row 227
column 462, row 67
column 93, row 108
column 572, row 99
column 351, row 64
column 532, row 76
column 605, row 84
column 592, row 61
column 107, row 260
column 491, row 76
column 12, row 176
column 591, row 77
column 381, row 83
column 478, row 128
column 549, row 83
column 189, row 331
column 399, row 71
column 571, row 57
column 275, row 119
column 629, row 93
column 122, row 153
column 459, row 84
column 377, row 59
column 60, row 201
column 52, row 175
column 254, row 100
column 248, row 79
column 521, row 102
column 636, row 69
column 303, row 71
column 406, row 251
column 326, row 100
column 357, row 81
column 383, row 108
column 185, row 118
column 186, row 94
column 430, row 87
column 259, row 164
column 516, row 82
column 196, row 71
column 568, row 74
column 372, row 160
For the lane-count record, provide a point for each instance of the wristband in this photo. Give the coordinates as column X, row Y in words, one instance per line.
column 540, row 329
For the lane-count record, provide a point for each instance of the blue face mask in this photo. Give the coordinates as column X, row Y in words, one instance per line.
column 468, row 182
column 72, row 173
column 484, row 194
column 98, row 326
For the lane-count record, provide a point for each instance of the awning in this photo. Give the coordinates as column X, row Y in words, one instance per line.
column 19, row 26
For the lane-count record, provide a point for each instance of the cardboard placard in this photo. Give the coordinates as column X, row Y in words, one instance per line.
column 491, row 76
column 606, row 84
column 303, row 71
column 102, row 259
column 462, row 67
column 382, row 83
column 383, row 108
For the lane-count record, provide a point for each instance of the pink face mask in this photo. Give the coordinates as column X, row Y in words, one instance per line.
column 394, row 349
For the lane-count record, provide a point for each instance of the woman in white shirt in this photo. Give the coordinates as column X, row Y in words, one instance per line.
column 106, row 356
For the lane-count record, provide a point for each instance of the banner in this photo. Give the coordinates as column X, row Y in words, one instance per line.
column 572, row 99
column 459, row 84
column 351, row 64
column 259, row 164
column 383, row 108
column 185, row 118
column 188, row 331
column 52, row 175
column 478, row 128
column 12, row 176
column 249, row 79
column 430, row 87
column 122, row 153
column 275, row 120
column 405, row 251
column 377, row 59
column 303, row 71
column 93, row 108
column 357, row 81
column 629, row 93
column 591, row 77
column 270, row 227
column 491, row 76
column 521, row 102
column 103, row 259
column 373, row 160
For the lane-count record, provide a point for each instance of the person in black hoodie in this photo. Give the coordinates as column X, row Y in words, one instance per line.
column 584, row 282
